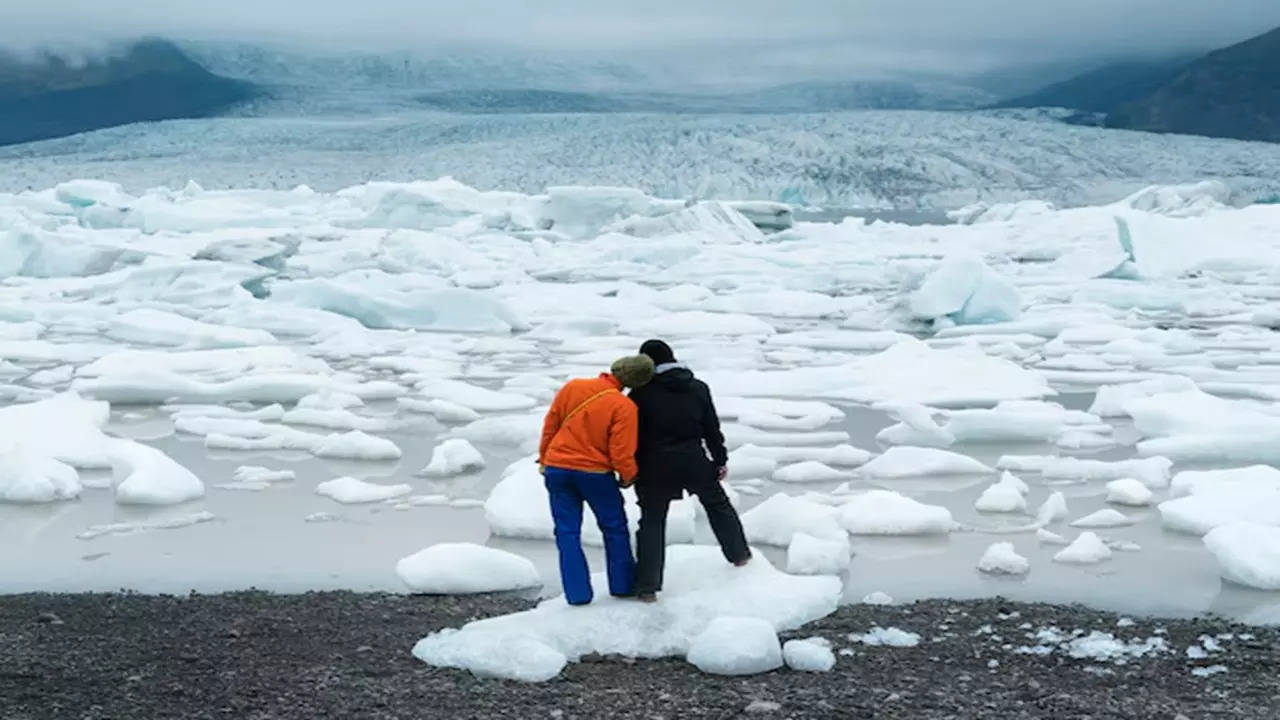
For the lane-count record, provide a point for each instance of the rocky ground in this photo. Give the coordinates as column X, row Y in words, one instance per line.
column 343, row 655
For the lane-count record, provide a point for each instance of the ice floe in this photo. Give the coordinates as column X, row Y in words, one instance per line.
column 460, row 568
column 699, row 587
column 1001, row 559
column 349, row 490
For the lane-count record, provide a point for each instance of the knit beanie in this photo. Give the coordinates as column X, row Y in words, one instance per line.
column 660, row 352
column 633, row 371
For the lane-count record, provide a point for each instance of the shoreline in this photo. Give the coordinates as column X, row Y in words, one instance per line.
column 344, row 654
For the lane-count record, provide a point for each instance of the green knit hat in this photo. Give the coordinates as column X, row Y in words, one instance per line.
column 633, row 371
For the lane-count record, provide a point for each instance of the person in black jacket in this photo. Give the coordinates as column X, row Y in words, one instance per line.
column 680, row 449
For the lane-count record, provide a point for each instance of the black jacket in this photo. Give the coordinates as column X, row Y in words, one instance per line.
column 679, row 429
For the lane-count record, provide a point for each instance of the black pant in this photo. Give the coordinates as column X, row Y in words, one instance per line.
column 651, row 538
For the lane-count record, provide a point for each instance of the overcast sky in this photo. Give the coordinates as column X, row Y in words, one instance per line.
column 924, row 34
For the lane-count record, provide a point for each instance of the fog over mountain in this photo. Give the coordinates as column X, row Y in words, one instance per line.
column 803, row 40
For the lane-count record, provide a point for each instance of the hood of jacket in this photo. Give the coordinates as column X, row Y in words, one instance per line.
column 675, row 379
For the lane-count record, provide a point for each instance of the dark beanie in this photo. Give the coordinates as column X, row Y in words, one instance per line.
column 659, row 351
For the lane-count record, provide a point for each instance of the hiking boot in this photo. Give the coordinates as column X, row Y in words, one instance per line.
column 647, row 597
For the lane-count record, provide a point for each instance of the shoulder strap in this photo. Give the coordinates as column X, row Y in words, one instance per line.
column 583, row 404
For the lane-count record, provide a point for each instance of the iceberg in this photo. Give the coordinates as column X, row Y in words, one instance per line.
column 968, row 292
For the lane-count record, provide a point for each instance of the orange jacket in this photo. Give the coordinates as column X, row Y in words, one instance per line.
column 599, row 437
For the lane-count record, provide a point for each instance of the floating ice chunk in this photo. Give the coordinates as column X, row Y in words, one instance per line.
column 1025, row 463
column 259, row 474
column 1048, row 537
column 1200, row 513
column 965, row 290
column 808, row 471
column 321, row 517
column 699, row 586
column 1003, row 426
column 154, row 327
column 158, row 386
column 736, row 646
column 63, row 427
column 1087, row 549
column 1110, row 400
column 128, row 528
column 330, row 399
column 887, row 637
column 474, row 397
column 808, row 555
column 1002, row 559
column 910, row 371
column 700, row 324
column 776, row 521
column 877, row 598
column 519, row 431
column 906, row 461
column 442, row 410
column 1105, row 518
column 53, row 376
column 917, row 426
column 466, row 503
column 745, row 464
column 453, row 457
column 1195, row 652
column 842, row 455
column 1005, row 496
column 146, row 476
column 459, row 568
column 349, row 490
column 356, row 445
column 1152, row 471
column 1209, row 671
column 882, row 512
column 809, row 655
column 337, row 419
column 1128, row 491
column 27, row 478
column 1053, row 509
column 1084, row 440
column 441, row 309
column 222, row 363
column 1252, row 478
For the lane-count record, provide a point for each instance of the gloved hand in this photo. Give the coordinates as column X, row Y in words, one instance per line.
column 722, row 472
column 624, row 483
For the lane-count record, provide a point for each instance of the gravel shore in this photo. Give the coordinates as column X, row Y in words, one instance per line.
column 345, row 655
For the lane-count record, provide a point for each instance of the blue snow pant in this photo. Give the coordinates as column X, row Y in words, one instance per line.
column 568, row 488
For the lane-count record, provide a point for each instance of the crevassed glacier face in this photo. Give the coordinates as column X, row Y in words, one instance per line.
column 866, row 159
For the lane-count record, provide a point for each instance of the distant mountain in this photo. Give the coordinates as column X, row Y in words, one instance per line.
column 1233, row 92
column 1103, row 89
column 49, row 96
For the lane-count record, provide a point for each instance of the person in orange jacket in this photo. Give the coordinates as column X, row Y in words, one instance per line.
column 588, row 435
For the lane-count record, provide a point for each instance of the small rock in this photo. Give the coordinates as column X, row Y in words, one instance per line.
column 762, row 706
column 1033, row 684
column 364, row 649
column 233, row 633
column 48, row 618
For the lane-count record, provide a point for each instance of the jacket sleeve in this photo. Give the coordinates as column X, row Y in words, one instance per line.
column 551, row 425
column 623, row 429
column 711, row 433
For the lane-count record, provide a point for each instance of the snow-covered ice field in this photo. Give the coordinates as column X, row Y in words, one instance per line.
column 225, row 389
